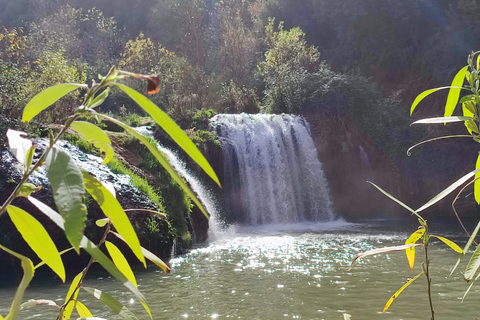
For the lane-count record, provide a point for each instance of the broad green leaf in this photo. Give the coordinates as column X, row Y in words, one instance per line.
column 383, row 250
column 472, row 265
column 467, row 246
column 37, row 238
column 163, row 161
column 113, row 210
column 18, row 145
column 95, row 252
column 410, row 252
column 122, row 264
column 396, row 294
column 454, row 93
column 83, row 310
column 449, row 243
column 38, row 302
column 442, row 120
column 424, row 94
column 171, row 128
column 46, row 98
column 435, row 139
column 150, row 256
column 71, row 296
column 28, row 272
column 68, row 191
column 476, row 186
column 112, row 303
column 448, row 190
column 97, row 136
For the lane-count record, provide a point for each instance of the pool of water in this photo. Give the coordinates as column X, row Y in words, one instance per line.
column 286, row 272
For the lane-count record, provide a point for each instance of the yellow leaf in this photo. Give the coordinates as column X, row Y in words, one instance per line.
column 72, row 294
column 38, row 239
column 476, row 186
column 120, row 261
column 95, row 135
column 396, row 294
column 449, row 243
column 83, row 310
column 410, row 252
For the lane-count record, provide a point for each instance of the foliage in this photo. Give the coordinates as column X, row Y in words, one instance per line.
column 69, row 184
column 201, row 119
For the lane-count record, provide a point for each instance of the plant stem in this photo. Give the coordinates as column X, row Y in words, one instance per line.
column 429, row 279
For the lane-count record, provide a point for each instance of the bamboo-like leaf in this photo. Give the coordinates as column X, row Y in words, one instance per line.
column 150, row 256
column 99, row 99
column 112, row 209
column 383, row 250
column 467, row 246
column 68, row 191
column 28, row 272
column 71, row 296
column 470, row 287
column 83, row 310
column 163, row 161
column 95, row 135
column 95, row 252
column 46, row 98
column 476, row 184
column 396, row 294
column 122, row 264
column 442, row 120
column 454, row 93
column 424, row 94
column 37, row 238
column 38, row 302
column 449, row 243
column 410, row 252
column 112, row 303
column 473, row 265
column 18, row 145
column 91, row 318
column 347, row 316
column 435, row 139
column 448, row 190
column 171, row 128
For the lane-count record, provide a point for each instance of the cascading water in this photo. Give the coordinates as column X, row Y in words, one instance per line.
column 272, row 171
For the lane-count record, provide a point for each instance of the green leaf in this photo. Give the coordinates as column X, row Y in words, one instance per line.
column 171, row 128
column 467, row 246
column 112, row 209
column 448, row 190
column 112, row 303
column 410, row 252
column 476, row 186
column 396, row 294
column 37, row 238
column 28, row 272
column 83, row 310
column 119, row 260
column 150, row 256
column 46, row 98
column 99, row 99
column 95, row 252
column 97, row 136
column 18, row 145
column 163, row 161
column 102, row 222
column 449, row 243
column 454, row 93
column 68, row 191
column 468, row 97
column 472, row 265
column 424, row 94
column 27, row 189
column 383, row 250
column 442, row 120
column 91, row 318
column 71, row 296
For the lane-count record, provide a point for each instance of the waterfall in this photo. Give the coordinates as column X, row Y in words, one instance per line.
column 272, row 170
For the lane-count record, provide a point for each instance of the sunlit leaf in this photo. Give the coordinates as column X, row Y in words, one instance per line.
column 383, row 250
column 150, row 256
column 171, row 128
column 37, row 238
column 424, row 94
column 99, row 99
column 18, row 145
column 454, row 93
column 347, row 316
column 71, row 296
column 448, row 190
column 396, row 294
column 26, row 189
column 410, row 252
column 41, row 263
column 91, row 318
column 476, row 185
column 467, row 246
column 442, row 120
column 473, row 265
column 449, row 243
column 68, row 191
column 120, row 261
column 112, row 303
column 163, row 161
column 102, row 222
column 95, row 252
column 46, row 98
column 96, row 136
column 113, row 210
column 38, row 302
column 83, row 310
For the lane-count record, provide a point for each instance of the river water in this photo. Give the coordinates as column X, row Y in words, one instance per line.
column 295, row 271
